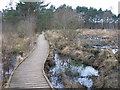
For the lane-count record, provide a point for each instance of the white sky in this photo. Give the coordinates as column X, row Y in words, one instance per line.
column 104, row 4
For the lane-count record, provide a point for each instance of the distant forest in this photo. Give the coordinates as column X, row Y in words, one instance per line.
column 63, row 17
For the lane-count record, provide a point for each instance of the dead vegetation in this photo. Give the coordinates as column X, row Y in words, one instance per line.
column 79, row 48
column 16, row 38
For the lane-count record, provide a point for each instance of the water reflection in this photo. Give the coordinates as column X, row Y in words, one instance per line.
column 84, row 73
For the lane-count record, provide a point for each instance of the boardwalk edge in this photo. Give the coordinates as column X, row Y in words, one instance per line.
column 44, row 71
column 9, row 80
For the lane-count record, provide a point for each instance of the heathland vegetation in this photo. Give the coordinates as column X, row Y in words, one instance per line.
column 85, row 36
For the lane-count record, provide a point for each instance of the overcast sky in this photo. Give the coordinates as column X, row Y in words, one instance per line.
column 104, row 4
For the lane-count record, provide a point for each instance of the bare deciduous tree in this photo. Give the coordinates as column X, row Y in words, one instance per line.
column 66, row 18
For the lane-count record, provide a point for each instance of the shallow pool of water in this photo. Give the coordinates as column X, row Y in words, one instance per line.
column 61, row 67
column 113, row 48
column 1, row 70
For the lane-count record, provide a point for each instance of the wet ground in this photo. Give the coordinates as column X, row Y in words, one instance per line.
column 83, row 72
column 83, row 77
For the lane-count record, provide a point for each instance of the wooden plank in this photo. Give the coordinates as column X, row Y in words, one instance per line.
column 30, row 72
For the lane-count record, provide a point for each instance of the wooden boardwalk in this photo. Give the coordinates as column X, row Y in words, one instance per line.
column 30, row 73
